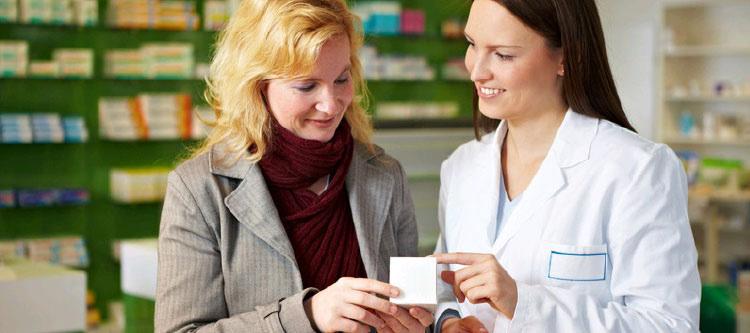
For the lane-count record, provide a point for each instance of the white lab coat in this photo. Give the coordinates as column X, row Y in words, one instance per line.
column 600, row 241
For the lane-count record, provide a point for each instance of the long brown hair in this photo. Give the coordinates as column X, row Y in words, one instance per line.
column 574, row 26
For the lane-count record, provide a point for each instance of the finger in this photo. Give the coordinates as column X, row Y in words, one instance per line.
column 370, row 301
column 472, row 283
column 423, row 316
column 472, row 324
column 361, row 315
column 405, row 318
column 478, row 295
column 460, row 258
column 468, row 272
column 348, row 325
column 373, row 286
column 392, row 323
column 449, row 277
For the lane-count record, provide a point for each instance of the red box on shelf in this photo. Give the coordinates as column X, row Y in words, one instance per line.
column 412, row 22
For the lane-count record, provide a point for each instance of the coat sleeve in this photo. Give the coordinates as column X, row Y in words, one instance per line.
column 655, row 284
column 190, row 289
column 406, row 220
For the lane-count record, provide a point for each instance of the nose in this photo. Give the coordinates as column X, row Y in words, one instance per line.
column 326, row 101
column 479, row 69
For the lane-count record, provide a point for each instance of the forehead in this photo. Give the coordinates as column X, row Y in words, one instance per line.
column 334, row 56
column 491, row 23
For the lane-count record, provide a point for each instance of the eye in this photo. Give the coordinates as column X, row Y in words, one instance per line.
column 504, row 57
column 471, row 44
column 305, row 87
column 342, row 80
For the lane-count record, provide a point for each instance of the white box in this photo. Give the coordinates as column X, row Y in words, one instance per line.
column 138, row 263
column 416, row 279
column 39, row 297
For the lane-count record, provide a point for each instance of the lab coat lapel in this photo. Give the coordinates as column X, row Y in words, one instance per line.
column 571, row 146
column 252, row 205
column 370, row 190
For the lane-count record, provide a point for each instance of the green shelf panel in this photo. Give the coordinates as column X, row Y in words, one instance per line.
column 87, row 165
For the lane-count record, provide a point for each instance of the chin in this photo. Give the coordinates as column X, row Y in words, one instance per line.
column 318, row 136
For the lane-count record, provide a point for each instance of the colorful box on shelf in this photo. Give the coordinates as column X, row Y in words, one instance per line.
column 8, row 11
column 138, row 185
column 14, row 58
column 153, row 14
column 215, row 14
column 146, row 117
column 68, row 250
column 59, row 12
column 412, row 22
column 7, row 198
column 416, row 110
column 394, row 67
column 455, row 69
column 18, row 128
column 379, row 17
column 74, row 63
column 52, row 197
column 152, row 61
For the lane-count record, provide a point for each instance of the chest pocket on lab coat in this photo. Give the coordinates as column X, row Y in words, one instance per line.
column 579, row 268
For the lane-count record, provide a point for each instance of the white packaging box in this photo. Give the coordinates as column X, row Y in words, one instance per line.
column 39, row 297
column 416, row 279
column 138, row 263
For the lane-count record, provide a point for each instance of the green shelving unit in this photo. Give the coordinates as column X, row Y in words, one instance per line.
column 87, row 165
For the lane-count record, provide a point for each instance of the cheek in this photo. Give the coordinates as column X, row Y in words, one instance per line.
column 469, row 60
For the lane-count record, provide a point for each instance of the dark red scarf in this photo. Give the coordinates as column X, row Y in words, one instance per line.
column 320, row 228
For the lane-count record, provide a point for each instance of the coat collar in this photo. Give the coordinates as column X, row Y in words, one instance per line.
column 571, row 146
column 369, row 186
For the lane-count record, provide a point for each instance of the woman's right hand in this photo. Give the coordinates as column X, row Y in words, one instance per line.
column 463, row 325
column 347, row 305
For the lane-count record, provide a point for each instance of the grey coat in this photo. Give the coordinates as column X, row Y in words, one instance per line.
column 225, row 262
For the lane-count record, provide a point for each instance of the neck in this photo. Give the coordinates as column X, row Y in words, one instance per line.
column 531, row 137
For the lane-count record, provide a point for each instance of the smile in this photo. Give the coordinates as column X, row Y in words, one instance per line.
column 489, row 92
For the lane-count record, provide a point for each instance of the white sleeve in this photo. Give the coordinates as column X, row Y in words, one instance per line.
column 446, row 299
column 655, row 284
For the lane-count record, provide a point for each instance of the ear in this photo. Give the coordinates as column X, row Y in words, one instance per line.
column 560, row 59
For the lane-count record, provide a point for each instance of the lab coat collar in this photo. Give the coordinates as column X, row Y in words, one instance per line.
column 574, row 137
column 572, row 145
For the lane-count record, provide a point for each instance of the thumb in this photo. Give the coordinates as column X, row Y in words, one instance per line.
column 472, row 324
column 450, row 278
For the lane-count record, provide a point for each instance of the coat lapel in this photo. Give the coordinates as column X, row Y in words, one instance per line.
column 251, row 203
column 571, row 146
column 370, row 190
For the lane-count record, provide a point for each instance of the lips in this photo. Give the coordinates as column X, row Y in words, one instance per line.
column 486, row 92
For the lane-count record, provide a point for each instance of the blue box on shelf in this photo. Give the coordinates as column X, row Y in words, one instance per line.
column 38, row 198
column 74, row 196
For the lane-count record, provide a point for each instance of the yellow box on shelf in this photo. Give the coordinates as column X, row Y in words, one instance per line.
column 139, row 185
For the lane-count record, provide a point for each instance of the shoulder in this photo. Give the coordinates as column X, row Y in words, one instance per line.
column 469, row 153
column 630, row 153
column 378, row 158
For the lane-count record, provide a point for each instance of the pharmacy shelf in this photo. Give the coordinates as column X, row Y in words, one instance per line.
column 707, row 51
column 673, row 4
column 709, row 99
column 715, row 142
column 721, row 196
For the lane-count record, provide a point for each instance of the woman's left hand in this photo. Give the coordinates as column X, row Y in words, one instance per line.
column 483, row 280
column 414, row 320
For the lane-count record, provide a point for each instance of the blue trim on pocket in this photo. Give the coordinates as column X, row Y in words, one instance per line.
column 549, row 267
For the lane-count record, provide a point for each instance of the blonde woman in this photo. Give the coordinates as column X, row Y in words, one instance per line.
column 285, row 218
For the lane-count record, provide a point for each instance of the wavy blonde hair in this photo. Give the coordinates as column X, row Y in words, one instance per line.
column 274, row 39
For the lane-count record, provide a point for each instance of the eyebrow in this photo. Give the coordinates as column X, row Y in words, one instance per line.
column 309, row 78
column 498, row 46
